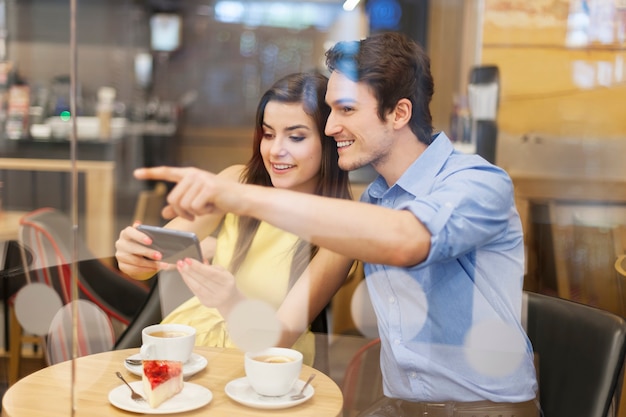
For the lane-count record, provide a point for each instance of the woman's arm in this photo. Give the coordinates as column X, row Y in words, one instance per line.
column 313, row 290
column 216, row 287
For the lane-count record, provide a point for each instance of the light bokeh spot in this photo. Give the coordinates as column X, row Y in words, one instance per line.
column 253, row 326
column 494, row 348
column 35, row 306
column 94, row 331
column 362, row 311
column 413, row 294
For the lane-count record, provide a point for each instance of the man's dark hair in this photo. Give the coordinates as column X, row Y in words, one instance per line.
column 394, row 67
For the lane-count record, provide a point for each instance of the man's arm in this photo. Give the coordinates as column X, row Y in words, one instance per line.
column 205, row 226
column 356, row 230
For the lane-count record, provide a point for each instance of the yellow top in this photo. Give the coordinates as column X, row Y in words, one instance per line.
column 263, row 275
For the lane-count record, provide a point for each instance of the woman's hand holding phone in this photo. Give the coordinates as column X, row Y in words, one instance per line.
column 174, row 245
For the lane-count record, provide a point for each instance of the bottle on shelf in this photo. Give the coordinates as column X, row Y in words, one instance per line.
column 104, row 110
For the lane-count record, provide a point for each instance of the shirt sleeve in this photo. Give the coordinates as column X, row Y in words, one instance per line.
column 465, row 210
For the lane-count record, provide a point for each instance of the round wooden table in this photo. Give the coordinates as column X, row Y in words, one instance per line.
column 47, row 393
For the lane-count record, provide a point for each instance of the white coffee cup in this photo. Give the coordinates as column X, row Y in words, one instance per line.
column 274, row 371
column 172, row 342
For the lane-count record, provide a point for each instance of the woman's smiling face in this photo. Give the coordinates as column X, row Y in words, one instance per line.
column 291, row 147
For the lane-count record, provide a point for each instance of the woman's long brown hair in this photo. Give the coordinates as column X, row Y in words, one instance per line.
column 309, row 89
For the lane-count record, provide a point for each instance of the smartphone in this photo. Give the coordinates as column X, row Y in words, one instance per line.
column 173, row 244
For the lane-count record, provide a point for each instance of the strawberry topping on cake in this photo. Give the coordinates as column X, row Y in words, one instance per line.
column 161, row 380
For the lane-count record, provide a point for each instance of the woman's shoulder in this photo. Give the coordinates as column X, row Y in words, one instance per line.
column 232, row 172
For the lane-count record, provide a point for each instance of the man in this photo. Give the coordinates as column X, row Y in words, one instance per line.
column 438, row 232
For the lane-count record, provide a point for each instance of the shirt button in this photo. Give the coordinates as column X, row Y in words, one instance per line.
column 392, row 300
column 396, row 341
column 412, row 374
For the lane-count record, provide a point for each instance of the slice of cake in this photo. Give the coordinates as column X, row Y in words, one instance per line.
column 161, row 380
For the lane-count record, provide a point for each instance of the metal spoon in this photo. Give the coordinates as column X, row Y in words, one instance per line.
column 133, row 362
column 300, row 395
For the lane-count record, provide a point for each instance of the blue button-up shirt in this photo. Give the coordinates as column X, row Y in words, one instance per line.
column 450, row 326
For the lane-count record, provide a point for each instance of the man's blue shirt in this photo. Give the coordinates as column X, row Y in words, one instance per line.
column 450, row 326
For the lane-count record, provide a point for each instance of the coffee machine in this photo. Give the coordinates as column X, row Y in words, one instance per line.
column 483, row 94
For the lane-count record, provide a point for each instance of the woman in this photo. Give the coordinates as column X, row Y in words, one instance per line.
column 254, row 260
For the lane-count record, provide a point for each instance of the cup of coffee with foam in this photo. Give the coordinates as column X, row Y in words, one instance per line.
column 171, row 342
column 273, row 372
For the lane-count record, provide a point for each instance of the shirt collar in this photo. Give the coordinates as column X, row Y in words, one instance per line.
column 417, row 179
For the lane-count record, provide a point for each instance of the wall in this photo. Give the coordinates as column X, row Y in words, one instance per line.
column 219, row 125
column 548, row 88
column 218, row 74
column 453, row 46
column 109, row 33
column 221, row 69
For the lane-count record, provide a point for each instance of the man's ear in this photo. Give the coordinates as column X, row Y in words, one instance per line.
column 402, row 113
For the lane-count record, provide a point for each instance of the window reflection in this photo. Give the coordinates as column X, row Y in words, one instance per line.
column 595, row 22
column 279, row 14
column 560, row 112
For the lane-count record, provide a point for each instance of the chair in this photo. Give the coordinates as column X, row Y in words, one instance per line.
column 585, row 249
column 149, row 313
column 362, row 380
column 47, row 233
column 580, row 352
column 618, row 234
column 168, row 292
column 149, row 205
column 347, row 315
column 353, row 314
column 12, row 277
column 94, row 332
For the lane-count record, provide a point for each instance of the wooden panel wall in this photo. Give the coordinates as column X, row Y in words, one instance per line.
column 547, row 87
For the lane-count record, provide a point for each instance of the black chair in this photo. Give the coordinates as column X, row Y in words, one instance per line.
column 149, row 313
column 580, row 351
column 168, row 291
column 12, row 276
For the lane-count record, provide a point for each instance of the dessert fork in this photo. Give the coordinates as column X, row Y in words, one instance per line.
column 133, row 395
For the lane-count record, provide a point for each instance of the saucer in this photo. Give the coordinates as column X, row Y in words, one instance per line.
column 194, row 365
column 192, row 396
column 240, row 390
